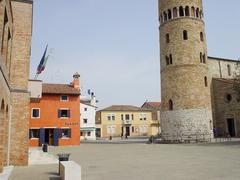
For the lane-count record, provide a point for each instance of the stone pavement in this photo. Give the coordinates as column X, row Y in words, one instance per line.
column 6, row 173
column 145, row 162
column 37, row 157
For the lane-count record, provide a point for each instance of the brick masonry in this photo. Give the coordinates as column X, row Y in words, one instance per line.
column 14, row 75
column 183, row 81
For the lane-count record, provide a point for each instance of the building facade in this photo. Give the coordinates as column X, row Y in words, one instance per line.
column 15, row 45
column 155, row 109
column 55, row 113
column 225, row 96
column 88, row 108
column 185, row 87
column 123, row 120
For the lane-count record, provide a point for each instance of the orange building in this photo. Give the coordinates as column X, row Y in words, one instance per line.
column 55, row 113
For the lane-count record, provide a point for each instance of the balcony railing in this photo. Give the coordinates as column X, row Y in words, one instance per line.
column 127, row 121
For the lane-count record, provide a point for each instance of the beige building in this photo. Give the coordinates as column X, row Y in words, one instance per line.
column 15, row 45
column 154, row 107
column 122, row 120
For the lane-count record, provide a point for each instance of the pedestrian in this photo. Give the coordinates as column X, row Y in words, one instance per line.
column 126, row 136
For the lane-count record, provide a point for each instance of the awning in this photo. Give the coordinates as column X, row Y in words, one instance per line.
column 87, row 129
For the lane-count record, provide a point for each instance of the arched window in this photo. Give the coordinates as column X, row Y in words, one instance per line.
column 185, row 35
column 165, row 16
column 175, row 12
column 201, row 36
column 229, row 70
column 170, row 59
column 187, row 13
column 200, row 14
column 197, row 13
column 181, row 11
column 167, row 60
column 205, row 81
column 170, row 105
column 201, row 58
column 167, row 38
column 204, row 59
column 169, row 14
column 193, row 12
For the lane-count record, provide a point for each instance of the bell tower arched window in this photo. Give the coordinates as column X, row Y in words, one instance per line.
column 187, row 13
column 181, row 11
column 185, row 35
column 170, row 105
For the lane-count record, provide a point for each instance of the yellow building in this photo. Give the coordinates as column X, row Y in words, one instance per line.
column 122, row 120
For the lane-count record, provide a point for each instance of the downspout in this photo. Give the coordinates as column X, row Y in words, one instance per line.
column 9, row 131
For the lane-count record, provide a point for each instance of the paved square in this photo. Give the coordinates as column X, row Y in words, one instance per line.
column 146, row 162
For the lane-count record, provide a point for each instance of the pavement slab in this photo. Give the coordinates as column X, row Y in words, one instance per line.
column 217, row 161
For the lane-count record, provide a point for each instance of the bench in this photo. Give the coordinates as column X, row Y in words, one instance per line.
column 70, row 170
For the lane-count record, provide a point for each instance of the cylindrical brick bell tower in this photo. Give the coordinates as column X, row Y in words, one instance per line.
column 185, row 82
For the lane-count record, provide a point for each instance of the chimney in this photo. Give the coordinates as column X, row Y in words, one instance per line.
column 76, row 82
column 93, row 100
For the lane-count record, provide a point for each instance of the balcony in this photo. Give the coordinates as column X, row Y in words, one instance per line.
column 127, row 121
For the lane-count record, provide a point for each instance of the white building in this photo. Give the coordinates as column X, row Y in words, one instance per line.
column 87, row 117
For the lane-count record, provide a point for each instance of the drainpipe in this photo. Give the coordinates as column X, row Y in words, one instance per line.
column 9, row 131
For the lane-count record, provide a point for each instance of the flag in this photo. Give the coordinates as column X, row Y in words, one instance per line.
column 43, row 62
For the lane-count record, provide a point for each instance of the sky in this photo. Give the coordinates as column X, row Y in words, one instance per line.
column 114, row 44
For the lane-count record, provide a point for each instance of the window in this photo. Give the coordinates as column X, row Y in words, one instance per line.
column 66, row 133
column 185, row 35
column 192, row 11
column 197, row 12
column 229, row 70
column 167, row 60
column 132, row 117
column 205, row 81
column 170, row 104
column 111, row 117
column 4, row 24
column 132, row 129
column 167, row 38
column 33, row 133
column 169, row 14
column 201, row 58
column 181, row 11
column 85, row 121
column 63, row 113
column 127, row 117
column 175, row 13
column 187, row 13
column 122, row 117
column 143, row 116
column 228, row 98
column 88, row 133
column 201, row 36
column 165, row 16
column 81, row 133
column 85, row 109
column 111, row 130
column 170, row 59
column 35, row 113
column 204, row 59
column 64, row 98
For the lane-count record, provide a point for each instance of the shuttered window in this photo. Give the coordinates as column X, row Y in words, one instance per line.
column 64, row 113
